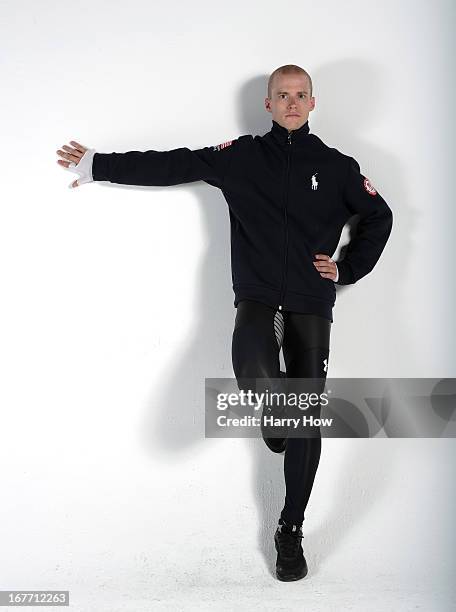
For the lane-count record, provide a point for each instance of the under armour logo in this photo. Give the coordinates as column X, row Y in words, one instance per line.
column 314, row 181
column 325, row 362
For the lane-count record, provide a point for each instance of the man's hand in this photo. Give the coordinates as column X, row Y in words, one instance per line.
column 80, row 161
column 326, row 266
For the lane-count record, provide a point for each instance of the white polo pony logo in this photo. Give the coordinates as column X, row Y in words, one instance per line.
column 314, row 181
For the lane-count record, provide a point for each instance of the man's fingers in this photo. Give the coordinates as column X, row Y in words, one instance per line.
column 66, row 164
column 75, row 158
column 75, row 183
column 72, row 151
column 326, row 270
column 73, row 154
column 325, row 266
column 78, row 146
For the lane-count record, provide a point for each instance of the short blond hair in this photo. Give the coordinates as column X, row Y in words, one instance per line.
column 288, row 69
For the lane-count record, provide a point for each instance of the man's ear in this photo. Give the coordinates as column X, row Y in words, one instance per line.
column 312, row 102
column 267, row 105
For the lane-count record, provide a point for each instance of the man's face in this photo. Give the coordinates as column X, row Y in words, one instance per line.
column 290, row 102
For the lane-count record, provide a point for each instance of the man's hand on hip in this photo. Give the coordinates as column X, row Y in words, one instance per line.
column 326, row 266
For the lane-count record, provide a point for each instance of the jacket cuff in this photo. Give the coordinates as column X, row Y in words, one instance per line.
column 345, row 273
column 100, row 167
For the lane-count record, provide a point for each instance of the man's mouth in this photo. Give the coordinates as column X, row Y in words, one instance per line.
column 294, row 115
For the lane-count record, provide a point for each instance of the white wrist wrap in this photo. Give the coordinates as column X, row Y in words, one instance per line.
column 83, row 168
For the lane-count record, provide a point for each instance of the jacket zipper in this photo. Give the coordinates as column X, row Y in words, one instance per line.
column 282, row 292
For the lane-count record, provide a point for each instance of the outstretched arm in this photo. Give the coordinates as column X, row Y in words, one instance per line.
column 151, row 167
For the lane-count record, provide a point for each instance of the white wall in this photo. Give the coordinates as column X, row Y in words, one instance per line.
column 117, row 303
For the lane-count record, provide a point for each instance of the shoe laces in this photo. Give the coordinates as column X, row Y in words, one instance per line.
column 289, row 542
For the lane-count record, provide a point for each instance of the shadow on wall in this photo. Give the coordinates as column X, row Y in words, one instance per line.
column 350, row 96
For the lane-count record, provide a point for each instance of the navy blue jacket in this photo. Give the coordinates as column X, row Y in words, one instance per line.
column 289, row 196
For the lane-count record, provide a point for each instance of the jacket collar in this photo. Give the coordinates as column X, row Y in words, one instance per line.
column 281, row 135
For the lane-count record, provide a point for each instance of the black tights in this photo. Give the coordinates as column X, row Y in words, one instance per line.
column 259, row 333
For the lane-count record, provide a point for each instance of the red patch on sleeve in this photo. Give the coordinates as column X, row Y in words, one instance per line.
column 223, row 145
column 369, row 187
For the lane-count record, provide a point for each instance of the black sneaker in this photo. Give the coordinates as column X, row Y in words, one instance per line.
column 291, row 563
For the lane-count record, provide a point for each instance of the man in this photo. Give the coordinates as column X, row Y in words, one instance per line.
column 289, row 196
